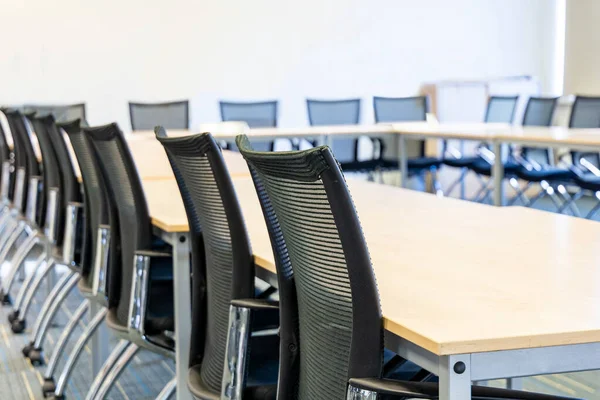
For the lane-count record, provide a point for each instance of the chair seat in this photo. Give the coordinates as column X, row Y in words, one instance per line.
column 414, row 164
column 360, row 166
column 548, row 174
column 482, row 167
column 261, row 382
column 588, row 181
column 463, row 162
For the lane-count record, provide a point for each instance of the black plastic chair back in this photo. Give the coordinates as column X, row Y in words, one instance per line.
column 97, row 207
column 315, row 229
column 255, row 114
column 538, row 112
column 585, row 113
column 209, row 195
column 126, row 193
column 171, row 115
column 501, row 109
column 61, row 112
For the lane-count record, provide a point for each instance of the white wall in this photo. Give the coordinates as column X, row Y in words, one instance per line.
column 111, row 51
column 582, row 45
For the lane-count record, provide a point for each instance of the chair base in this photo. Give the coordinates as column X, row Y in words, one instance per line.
column 36, row 357
column 6, row 299
column 13, row 316
column 48, row 387
column 18, row 326
column 27, row 349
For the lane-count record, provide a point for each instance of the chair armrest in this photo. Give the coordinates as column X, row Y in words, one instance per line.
column 453, row 152
column 35, row 183
column 361, row 388
column 51, row 213
column 149, row 266
column 73, row 236
column 487, row 155
column 5, row 189
column 256, row 304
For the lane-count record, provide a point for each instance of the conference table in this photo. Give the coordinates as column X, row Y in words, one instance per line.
column 508, row 292
column 496, row 134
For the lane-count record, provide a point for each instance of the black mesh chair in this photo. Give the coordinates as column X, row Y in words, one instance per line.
column 342, row 112
column 336, row 325
column 257, row 115
column 406, row 109
column 500, row 109
column 585, row 166
column 173, row 115
column 61, row 112
column 140, row 286
column 23, row 217
column 231, row 310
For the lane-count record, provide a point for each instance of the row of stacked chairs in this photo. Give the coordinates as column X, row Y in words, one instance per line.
column 322, row 338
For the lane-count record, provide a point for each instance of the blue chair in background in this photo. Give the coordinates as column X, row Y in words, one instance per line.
column 407, row 109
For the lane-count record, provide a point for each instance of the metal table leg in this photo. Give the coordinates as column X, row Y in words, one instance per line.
column 455, row 377
column 183, row 311
column 498, row 175
column 402, row 161
column 99, row 345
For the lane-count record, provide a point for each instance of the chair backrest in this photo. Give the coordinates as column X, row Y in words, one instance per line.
column 97, row 206
column 209, row 195
column 256, row 114
column 501, row 109
column 172, row 115
column 538, row 112
column 51, row 172
column 126, row 193
column 314, row 225
column 585, row 113
column 333, row 112
column 70, row 188
column 24, row 149
column 402, row 109
column 61, row 112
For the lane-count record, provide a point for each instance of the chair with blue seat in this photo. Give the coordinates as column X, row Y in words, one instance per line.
column 407, row 109
column 585, row 113
column 262, row 114
column 226, row 309
column 500, row 109
column 341, row 112
column 173, row 115
column 332, row 341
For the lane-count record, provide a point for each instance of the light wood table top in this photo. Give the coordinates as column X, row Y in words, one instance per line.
column 465, row 131
column 455, row 277
column 152, row 161
column 553, row 135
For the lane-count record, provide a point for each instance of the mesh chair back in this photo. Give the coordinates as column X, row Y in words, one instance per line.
column 402, row 109
column 209, row 194
column 333, row 112
column 70, row 188
column 340, row 324
column 172, row 115
column 336, row 112
column 61, row 112
column 585, row 113
column 255, row 114
column 51, row 172
column 24, row 154
column 97, row 207
column 539, row 112
column 501, row 109
column 126, row 193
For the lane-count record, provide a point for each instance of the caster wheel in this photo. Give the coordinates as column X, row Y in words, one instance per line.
column 18, row 326
column 36, row 357
column 48, row 387
column 27, row 349
column 6, row 300
column 14, row 315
